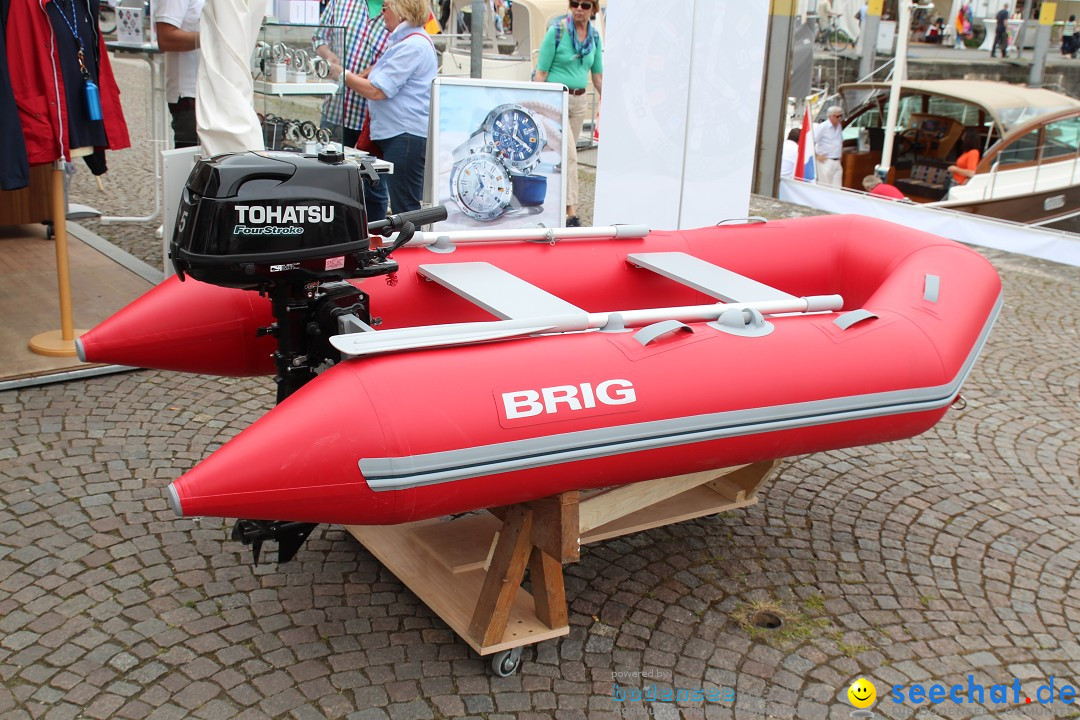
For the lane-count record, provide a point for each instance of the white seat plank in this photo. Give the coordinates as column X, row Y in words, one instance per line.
column 504, row 295
column 705, row 277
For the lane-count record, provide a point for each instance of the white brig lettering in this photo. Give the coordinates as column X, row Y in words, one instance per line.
column 588, row 399
column 560, row 393
column 522, row 404
column 527, row 403
column 622, row 397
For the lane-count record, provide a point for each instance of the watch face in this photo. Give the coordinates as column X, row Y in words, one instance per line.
column 515, row 135
column 481, row 186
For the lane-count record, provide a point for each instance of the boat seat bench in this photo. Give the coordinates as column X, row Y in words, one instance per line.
column 504, row 295
column 510, row 298
column 926, row 181
column 707, row 278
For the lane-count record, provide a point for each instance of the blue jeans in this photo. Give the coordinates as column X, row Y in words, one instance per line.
column 406, row 185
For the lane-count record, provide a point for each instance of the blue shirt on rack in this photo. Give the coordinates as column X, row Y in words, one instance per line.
column 404, row 73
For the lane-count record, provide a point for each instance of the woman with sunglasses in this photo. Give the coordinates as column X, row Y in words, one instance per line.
column 569, row 53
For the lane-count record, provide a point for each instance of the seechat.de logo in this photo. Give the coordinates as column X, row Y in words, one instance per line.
column 862, row 695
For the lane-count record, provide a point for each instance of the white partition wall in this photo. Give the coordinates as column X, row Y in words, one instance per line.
column 639, row 162
column 680, row 111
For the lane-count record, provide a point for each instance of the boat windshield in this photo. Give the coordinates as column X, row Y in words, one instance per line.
column 874, row 108
column 964, row 113
column 1012, row 117
column 1062, row 138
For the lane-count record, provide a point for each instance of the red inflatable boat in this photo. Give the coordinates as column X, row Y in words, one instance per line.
column 506, row 371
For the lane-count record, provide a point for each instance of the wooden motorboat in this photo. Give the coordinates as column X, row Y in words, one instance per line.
column 1029, row 141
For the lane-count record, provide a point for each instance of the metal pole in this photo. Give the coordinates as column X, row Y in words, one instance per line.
column 1042, row 44
column 619, row 232
column 476, row 69
column 774, row 96
column 899, row 75
column 398, row 339
column 1038, row 167
column 1023, row 29
column 868, row 37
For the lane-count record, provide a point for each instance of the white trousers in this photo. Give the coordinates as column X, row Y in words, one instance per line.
column 830, row 173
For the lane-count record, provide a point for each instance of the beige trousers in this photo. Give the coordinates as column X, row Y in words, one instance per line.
column 578, row 111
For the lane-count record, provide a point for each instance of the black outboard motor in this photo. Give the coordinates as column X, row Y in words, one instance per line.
column 254, row 220
column 293, row 227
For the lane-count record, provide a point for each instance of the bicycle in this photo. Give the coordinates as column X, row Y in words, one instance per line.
column 831, row 37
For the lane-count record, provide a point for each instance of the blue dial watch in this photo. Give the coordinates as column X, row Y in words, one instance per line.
column 513, row 133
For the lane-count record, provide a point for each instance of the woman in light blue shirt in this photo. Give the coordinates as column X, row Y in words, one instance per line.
column 399, row 83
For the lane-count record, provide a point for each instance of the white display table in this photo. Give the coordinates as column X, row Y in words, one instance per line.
column 1014, row 29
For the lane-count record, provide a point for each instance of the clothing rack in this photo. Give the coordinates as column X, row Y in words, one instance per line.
column 59, row 343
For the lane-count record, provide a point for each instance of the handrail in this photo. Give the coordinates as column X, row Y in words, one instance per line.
column 875, row 71
column 1040, row 161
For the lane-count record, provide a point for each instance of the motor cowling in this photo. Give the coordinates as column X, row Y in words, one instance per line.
column 256, row 219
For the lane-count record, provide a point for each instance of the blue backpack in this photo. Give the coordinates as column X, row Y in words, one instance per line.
column 560, row 25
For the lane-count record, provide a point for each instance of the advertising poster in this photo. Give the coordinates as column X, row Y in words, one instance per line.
column 496, row 154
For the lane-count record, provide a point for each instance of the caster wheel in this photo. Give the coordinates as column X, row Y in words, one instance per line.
column 507, row 662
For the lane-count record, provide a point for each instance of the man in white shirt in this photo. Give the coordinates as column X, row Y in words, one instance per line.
column 177, row 25
column 829, row 146
column 789, row 154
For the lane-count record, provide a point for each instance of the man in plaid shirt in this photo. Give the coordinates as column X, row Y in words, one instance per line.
column 365, row 41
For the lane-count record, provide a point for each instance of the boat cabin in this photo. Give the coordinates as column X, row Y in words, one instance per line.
column 1028, row 141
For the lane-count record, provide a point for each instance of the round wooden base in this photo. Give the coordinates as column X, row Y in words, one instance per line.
column 53, row 344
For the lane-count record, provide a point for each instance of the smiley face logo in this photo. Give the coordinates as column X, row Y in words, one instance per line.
column 862, row 693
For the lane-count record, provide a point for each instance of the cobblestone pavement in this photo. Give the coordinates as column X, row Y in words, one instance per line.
column 951, row 555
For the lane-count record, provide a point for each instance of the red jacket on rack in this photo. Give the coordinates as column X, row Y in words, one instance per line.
column 39, row 86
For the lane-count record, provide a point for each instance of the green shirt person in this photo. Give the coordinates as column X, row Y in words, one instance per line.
column 569, row 53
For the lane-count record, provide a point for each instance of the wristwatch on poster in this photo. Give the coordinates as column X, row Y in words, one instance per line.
column 480, row 184
column 514, row 133
column 495, row 167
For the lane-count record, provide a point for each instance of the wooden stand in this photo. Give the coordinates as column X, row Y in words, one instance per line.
column 469, row 569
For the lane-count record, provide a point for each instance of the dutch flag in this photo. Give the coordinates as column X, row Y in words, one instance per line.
column 804, row 164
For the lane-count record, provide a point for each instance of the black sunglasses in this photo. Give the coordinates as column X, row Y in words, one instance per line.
column 582, row 5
